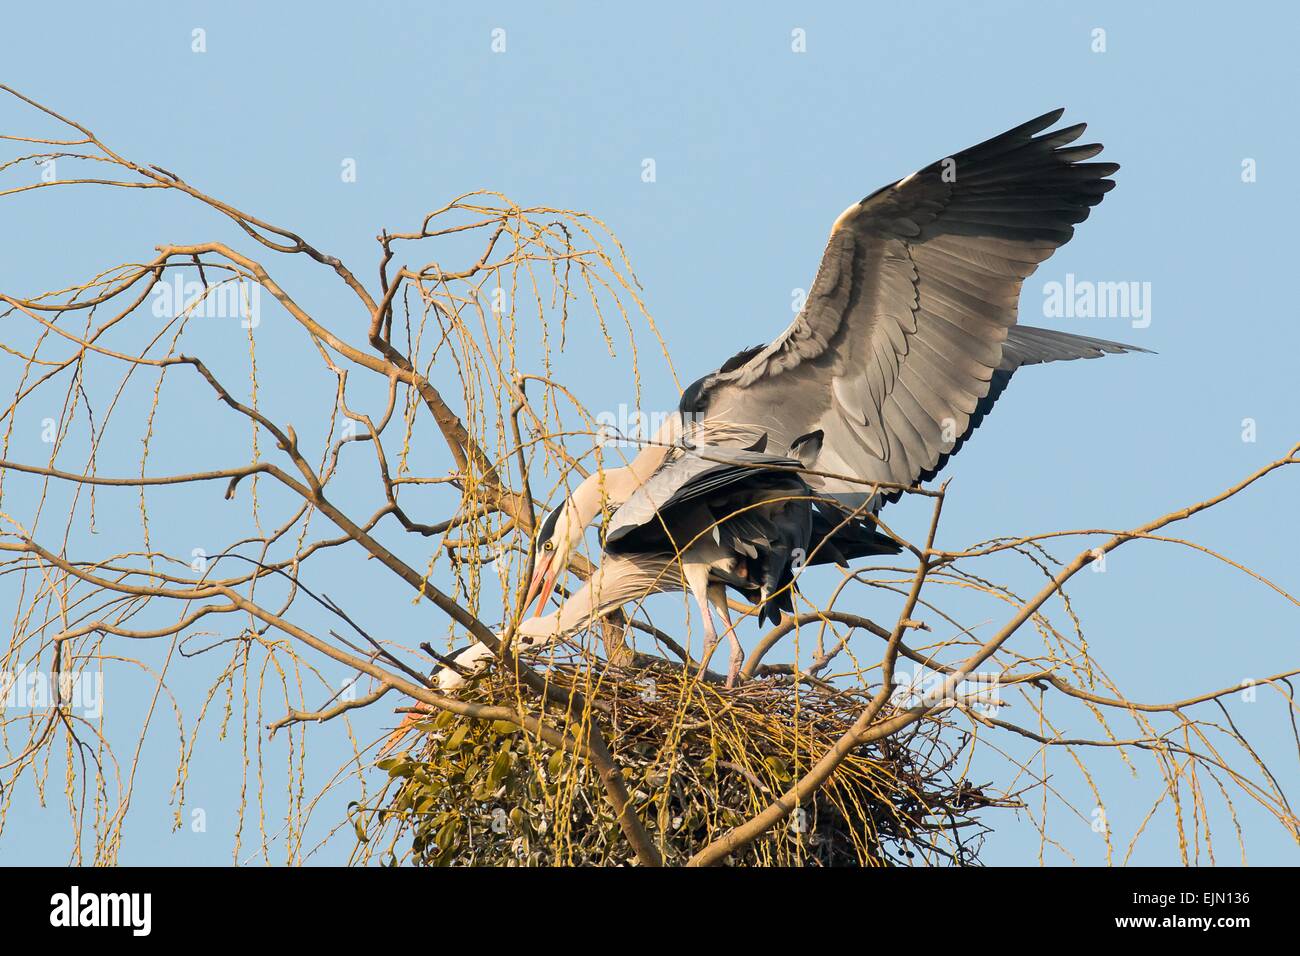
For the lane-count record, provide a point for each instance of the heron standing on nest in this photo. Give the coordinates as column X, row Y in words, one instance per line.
column 906, row 340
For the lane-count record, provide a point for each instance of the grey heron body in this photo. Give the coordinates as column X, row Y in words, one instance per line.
column 745, row 520
column 748, row 522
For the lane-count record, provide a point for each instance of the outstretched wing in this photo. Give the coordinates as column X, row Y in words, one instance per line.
column 906, row 321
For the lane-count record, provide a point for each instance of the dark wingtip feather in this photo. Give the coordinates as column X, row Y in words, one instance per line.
column 1042, row 122
column 1065, row 135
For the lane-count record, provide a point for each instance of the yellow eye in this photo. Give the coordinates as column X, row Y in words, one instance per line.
column 549, row 546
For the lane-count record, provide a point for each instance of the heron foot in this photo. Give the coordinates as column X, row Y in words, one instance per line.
column 737, row 659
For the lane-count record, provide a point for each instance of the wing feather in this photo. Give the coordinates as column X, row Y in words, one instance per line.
column 908, row 318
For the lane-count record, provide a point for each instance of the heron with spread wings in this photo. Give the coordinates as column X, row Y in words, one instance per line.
column 906, row 340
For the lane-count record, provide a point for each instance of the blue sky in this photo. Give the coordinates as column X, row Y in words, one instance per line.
column 757, row 149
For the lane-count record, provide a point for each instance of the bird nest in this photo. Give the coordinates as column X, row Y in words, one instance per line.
column 698, row 758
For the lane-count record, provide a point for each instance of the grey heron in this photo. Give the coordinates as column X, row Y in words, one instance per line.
column 906, row 340
column 748, row 521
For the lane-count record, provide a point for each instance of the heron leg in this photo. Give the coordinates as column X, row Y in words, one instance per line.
column 718, row 596
column 710, row 634
column 697, row 580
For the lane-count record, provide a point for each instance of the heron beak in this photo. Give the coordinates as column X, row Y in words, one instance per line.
column 543, row 583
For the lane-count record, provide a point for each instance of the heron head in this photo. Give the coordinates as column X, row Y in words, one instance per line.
column 556, row 539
